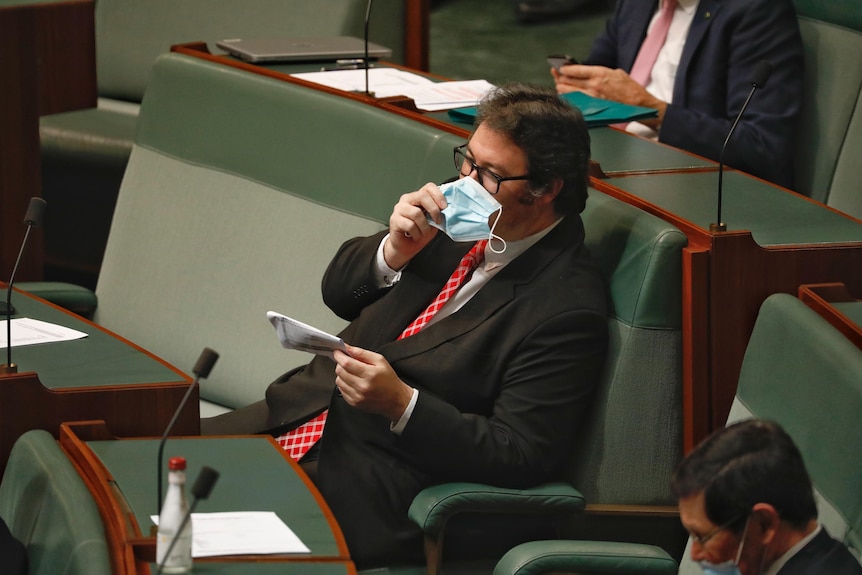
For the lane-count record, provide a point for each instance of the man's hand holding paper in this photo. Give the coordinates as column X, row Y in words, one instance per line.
column 296, row 335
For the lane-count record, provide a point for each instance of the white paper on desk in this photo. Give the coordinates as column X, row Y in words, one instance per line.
column 27, row 331
column 241, row 533
column 296, row 335
column 384, row 82
column 447, row 95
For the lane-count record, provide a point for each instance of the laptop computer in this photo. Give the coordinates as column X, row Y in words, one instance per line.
column 323, row 49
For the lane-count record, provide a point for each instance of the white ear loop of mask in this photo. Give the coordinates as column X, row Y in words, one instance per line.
column 495, row 237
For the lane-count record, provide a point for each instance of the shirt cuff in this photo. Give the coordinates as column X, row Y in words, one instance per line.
column 398, row 427
column 386, row 276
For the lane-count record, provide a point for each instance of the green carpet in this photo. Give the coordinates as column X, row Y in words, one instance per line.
column 482, row 39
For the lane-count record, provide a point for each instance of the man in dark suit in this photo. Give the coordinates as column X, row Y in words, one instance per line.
column 747, row 501
column 494, row 388
column 706, row 69
column 13, row 554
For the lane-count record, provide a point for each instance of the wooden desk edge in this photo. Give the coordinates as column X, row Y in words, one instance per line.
column 128, row 545
column 819, row 297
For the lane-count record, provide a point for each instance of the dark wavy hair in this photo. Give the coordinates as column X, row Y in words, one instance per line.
column 552, row 133
column 750, row 462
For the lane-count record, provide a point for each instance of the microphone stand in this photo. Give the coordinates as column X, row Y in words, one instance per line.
column 200, row 490
column 32, row 218
column 761, row 75
column 367, row 20
column 720, row 226
column 202, row 369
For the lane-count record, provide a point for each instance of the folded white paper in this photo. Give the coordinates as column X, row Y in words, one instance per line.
column 296, row 335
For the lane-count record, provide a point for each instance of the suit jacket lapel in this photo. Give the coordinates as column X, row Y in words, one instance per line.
column 703, row 18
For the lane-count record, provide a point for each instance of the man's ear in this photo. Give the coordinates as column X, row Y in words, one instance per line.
column 551, row 191
column 766, row 520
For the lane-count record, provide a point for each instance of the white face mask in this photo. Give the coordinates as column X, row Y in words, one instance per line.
column 729, row 567
column 465, row 217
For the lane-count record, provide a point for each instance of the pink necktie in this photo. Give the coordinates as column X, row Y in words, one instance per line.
column 642, row 69
column 298, row 441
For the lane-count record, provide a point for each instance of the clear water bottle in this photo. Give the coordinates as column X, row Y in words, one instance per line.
column 174, row 510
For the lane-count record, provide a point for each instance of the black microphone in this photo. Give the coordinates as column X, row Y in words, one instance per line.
column 200, row 490
column 32, row 218
column 202, row 369
column 761, row 75
column 367, row 20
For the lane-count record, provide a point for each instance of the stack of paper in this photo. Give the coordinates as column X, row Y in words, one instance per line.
column 385, row 82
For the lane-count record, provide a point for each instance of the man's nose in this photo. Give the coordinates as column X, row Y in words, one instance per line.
column 697, row 553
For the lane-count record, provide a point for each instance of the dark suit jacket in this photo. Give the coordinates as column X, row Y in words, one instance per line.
column 502, row 383
column 13, row 554
column 822, row 555
column 726, row 41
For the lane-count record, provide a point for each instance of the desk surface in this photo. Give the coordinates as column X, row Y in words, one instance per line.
column 852, row 310
column 254, row 476
column 773, row 215
column 100, row 359
column 615, row 151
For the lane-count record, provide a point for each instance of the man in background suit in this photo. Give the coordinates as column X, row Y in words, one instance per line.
column 493, row 389
column 746, row 500
column 703, row 75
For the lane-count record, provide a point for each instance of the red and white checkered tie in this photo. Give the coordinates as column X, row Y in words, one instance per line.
column 298, row 441
column 461, row 274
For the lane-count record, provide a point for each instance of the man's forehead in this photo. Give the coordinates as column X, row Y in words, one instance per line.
column 692, row 512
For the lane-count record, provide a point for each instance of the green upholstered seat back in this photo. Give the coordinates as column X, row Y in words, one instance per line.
column 49, row 508
column 633, row 438
column 130, row 34
column 802, row 373
column 842, row 12
column 239, row 190
column 846, row 191
column 829, row 139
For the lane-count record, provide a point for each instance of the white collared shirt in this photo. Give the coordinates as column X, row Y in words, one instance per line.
column 664, row 71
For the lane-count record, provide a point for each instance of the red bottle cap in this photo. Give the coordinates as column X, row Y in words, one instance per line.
column 177, row 464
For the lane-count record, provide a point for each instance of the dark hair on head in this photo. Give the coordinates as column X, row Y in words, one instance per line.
column 750, row 462
column 551, row 133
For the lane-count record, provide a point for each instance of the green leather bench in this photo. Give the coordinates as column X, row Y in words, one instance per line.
column 49, row 509
column 830, row 135
column 798, row 371
column 84, row 153
column 238, row 191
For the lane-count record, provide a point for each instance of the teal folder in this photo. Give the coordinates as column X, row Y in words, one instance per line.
column 597, row 112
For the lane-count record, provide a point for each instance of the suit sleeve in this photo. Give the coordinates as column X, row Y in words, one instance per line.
column 349, row 284
column 762, row 142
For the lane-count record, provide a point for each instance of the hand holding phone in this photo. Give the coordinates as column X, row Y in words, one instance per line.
column 558, row 61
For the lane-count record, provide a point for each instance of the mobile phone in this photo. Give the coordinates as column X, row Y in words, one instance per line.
column 558, row 61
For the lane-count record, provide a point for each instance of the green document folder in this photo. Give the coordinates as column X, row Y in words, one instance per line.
column 597, row 112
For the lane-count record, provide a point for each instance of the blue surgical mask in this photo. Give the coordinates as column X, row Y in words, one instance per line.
column 724, row 568
column 729, row 567
column 465, row 217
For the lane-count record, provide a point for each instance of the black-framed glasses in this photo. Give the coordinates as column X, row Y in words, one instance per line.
column 488, row 179
column 703, row 539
